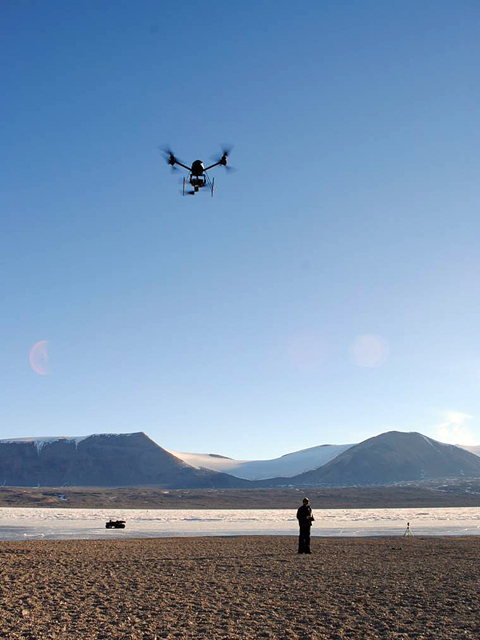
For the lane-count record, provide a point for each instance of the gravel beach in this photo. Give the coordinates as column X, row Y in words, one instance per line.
column 240, row 588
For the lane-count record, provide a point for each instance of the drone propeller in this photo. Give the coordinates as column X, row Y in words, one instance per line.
column 222, row 160
column 169, row 157
column 226, row 149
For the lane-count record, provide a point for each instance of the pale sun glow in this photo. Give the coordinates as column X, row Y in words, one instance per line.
column 454, row 430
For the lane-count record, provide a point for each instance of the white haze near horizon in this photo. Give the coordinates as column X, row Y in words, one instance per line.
column 43, row 524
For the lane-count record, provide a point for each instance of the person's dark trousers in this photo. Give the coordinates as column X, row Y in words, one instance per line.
column 304, row 539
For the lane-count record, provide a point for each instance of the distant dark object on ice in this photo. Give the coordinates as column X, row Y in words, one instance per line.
column 115, row 524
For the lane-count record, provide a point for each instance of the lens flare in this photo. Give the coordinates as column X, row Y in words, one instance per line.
column 369, row 351
column 38, row 358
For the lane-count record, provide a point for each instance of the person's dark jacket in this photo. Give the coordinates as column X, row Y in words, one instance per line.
column 305, row 515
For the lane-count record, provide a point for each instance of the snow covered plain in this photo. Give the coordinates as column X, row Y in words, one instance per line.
column 29, row 523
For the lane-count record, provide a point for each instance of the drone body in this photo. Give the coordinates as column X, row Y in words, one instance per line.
column 198, row 177
column 198, row 168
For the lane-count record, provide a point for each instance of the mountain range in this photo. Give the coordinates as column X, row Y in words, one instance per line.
column 115, row 460
column 105, row 460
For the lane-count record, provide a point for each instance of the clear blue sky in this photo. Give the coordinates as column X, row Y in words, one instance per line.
column 330, row 289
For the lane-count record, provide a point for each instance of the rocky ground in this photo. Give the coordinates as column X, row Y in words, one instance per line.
column 439, row 493
column 240, row 588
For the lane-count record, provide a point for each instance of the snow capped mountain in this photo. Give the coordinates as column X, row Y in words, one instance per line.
column 40, row 442
column 107, row 460
column 394, row 457
column 102, row 460
column 286, row 466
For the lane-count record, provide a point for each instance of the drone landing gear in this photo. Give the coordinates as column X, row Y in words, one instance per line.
column 184, row 189
column 192, row 185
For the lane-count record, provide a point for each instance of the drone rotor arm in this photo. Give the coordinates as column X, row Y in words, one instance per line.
column 222, row 160
column 213, row 165
column 181, row 164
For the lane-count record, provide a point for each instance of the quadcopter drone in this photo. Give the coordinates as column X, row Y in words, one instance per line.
column 198, row 177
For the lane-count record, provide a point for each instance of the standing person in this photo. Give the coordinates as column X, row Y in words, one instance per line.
column 305, row 519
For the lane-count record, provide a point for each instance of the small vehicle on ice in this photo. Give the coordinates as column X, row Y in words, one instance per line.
column 115, row 524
